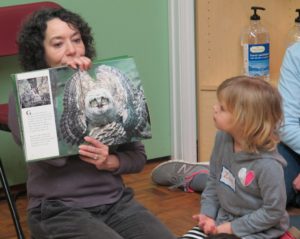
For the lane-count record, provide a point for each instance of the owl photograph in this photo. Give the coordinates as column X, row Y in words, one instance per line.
column 105, row 103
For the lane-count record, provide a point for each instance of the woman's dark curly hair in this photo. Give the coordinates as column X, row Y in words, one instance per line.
column 32, row 34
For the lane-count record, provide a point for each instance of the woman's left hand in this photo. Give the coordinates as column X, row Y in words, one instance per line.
column 83, row 63
column 98, row 154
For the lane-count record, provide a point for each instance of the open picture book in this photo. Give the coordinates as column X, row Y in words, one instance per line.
column 58, row 107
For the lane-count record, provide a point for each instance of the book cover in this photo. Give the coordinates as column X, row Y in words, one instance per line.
column 58, row 107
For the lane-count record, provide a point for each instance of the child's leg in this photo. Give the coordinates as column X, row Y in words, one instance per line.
column 194, row 233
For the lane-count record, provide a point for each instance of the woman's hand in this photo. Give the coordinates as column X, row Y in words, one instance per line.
column 207, row 224
column 98, row 154
column 81, row 62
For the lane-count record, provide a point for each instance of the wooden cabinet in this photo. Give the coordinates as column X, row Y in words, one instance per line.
column 219, row 24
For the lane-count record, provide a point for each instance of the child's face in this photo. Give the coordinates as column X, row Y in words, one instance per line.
column 222, row 117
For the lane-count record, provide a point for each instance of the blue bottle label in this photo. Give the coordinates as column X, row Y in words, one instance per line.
column 257, row 59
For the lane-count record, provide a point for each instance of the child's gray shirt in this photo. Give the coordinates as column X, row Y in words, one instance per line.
column 246, row 189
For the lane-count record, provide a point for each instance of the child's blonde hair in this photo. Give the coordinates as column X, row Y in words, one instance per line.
column 257, row 111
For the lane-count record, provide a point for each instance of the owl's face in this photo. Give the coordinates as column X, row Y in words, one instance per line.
column 99, row 106
column 98, row 100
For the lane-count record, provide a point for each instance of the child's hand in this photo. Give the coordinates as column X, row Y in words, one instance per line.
column 224, row 228
column 206, row 223
column 296, row 183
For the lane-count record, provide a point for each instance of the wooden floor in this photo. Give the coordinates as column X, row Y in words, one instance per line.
column 174, row 208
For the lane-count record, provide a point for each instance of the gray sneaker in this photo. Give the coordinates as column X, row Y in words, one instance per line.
column 179, row 174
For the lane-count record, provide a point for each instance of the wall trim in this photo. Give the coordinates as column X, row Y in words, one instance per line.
column 182, row 78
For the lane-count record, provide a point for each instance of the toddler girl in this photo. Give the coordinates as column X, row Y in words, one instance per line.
column 245, row 192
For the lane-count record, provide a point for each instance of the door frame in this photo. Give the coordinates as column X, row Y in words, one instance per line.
column 182, row 80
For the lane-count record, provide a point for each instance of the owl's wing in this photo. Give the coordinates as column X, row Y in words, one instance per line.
column 73, row 124
column 130, row 101
column 138, row 121
column 142, row 126
column 116, row 82
column 110, row 134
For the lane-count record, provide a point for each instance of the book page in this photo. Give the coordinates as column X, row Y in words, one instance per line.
column 37, row 115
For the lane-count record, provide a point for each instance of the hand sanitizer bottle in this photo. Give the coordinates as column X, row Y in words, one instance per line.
column 294, row 33
column 255, row 41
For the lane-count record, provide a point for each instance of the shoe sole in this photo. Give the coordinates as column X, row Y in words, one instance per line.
column 181, row 161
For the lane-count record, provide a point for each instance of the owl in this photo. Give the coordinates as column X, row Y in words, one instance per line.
column 107, row 108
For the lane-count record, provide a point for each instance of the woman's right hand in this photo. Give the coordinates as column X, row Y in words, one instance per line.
column 96, row 153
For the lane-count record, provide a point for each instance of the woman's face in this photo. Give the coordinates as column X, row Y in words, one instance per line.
column 62, row 43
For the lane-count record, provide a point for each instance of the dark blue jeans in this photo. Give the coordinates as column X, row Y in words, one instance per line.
column 126, row 219
column 290, row 173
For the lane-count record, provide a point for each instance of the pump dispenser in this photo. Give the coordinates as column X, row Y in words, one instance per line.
column 294, row 33
column 255, row 41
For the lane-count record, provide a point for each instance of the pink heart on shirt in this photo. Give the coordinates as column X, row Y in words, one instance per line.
column 246, row 177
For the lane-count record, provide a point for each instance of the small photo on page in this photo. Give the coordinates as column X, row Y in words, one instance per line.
column 34, row 92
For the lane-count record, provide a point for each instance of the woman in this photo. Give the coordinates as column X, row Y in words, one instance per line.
column 81, row 196
column 289, row 87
